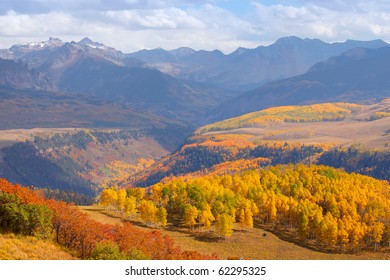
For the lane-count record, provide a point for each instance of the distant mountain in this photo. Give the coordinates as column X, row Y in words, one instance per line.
column 181, row 83
column 93, row 69
column 358, row 75
column 140, row 88
column 29, row 108
column 248, row 68
column 18, row 75
column 244, row 69
column 38, row 54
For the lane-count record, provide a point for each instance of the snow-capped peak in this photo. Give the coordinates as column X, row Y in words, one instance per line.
column 52, row 42
column 88, row 42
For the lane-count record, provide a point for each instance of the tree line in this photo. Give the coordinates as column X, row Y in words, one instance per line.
column 316, row 204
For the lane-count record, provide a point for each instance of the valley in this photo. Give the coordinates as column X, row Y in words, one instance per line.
column 277, row 152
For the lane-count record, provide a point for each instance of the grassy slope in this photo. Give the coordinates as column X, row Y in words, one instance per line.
column 242, row 244
column 29, row 248
column 273, row 124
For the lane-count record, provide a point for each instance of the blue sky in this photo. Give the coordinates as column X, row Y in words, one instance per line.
column 131, row 25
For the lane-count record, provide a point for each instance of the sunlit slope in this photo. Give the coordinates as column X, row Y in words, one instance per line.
column 332, row 123
column 14, row 247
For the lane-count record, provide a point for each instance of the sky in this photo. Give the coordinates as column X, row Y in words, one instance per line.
column 132, row 25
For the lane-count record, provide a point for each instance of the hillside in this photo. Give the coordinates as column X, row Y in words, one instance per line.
column 342, row 124
column 46, row 109
column 358, row 76
column 18, row 75
column 289, row 134
column 80, row 160
column 140, row 88
column 26, row 213
column 318, row 207
column 254, row 244
column 30, row 248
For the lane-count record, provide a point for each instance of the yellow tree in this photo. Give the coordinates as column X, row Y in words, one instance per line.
column 206, row 217
column 108, row 197
column 224, row 225
column 377, row 230
column 130, row 205
column 138, row 193
column 148, row 211
column 246, row 217
column 161, row 216
column 190, row 215
column 331, row 229
column 343, row 235
column 121, row 200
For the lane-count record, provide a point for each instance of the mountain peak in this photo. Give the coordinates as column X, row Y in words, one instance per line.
column 88, row 42
column 52, row 42
column 182, row 52
column 288, row 40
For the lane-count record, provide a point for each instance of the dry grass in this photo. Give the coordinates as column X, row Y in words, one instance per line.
column 14, row 247
column 12, row 136
column 253, row 244
column 355, row 129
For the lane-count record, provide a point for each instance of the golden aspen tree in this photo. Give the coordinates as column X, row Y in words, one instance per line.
column 105, row 198
column 121, row 200
column 224, row 225
column 331, row 231
column 303, row 225
column 377, row 230
column 108, row 197
column 248, row 217
column 190, row 215
column 206, row 217
column 147, row 211
column 218, row 208
column 130, row 205
column 241, row 218
column 161, row 216
column 343, row 235
column 138, row 193
column 273, row 212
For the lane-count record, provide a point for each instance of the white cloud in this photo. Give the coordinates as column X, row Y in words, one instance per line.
column 133, row 24
column 327, row 20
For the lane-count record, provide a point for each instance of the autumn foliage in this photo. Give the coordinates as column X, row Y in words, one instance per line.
column 88, row 238
column 315, row 204
column 308, row 113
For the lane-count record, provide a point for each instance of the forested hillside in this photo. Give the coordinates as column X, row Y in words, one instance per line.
column 321, row 206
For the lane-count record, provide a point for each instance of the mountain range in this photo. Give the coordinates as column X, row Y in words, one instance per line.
column 245, row 68
column 358, row 75
column 182, row 84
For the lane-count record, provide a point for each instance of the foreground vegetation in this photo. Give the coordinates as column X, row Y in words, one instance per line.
column 74, row 230
column 319, row 205
column 256, row 243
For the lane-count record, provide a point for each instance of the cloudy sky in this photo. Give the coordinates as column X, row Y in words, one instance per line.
column 131, row 25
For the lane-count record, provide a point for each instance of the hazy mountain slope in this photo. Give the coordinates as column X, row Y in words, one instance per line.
column 248, row 68
column 140, row 88
column 18, row 75
column 37, row 108
column 359, row 75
